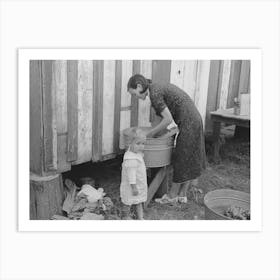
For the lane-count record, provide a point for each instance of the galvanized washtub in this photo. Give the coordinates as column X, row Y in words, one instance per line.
column 218, row 201
column 157, row 151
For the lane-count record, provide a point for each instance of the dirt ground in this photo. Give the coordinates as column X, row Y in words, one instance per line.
column 232, row 172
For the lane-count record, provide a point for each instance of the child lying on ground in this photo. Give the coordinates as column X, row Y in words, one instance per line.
column 133, row 188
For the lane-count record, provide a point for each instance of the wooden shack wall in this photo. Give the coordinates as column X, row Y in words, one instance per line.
column 80, row 108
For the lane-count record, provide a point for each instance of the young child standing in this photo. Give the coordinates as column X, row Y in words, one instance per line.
column 133, row 189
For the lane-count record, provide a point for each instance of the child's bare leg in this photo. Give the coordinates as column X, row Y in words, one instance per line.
column 140, row 211
column 126, row 212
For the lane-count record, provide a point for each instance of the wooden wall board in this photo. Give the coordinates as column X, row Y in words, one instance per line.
column 244, row 84
column 117, row 111
column 177, row 72
column 127, row 66
column 48, row 115
column 145, row 105
column 160, row 74
column 85, row 99
column 202, row 87
column 134, row 99
column 97, row 109
column 125, row 123
column 36, row 125
column 108, row 107
column 72, row 110
column 190, row 77
column 125, row 115
column 212, row 95
column 233, row 82
column 60, row 107
column 225, row 84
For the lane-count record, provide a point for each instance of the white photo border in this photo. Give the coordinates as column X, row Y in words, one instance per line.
column 254, row 55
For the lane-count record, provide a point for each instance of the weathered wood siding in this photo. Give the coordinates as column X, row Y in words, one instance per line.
column 80, row 108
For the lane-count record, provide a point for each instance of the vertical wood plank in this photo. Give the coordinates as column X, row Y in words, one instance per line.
column 134, row 99
column 60, row 93
column 213, row 89
column 190, row 77
column 125, row 116
column 48, row 112
column 108, row 107
column 85, row 95
column 202, row 88
column 160, row 74
column 36, row 122
column 225, row 84
column 97, row 113
column 233, row 82
column 118, row 94
column 244, row 77
column 72, row 110
column 145, row 105
column 177, row 73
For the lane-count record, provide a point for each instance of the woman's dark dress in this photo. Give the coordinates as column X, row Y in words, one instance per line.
column 188, row 159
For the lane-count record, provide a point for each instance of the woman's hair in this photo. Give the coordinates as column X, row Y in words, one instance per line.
column 138, row 79
column 134, row 134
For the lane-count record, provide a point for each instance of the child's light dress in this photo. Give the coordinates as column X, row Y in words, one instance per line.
column 133, row 172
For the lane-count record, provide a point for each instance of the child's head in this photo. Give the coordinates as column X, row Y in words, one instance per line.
column 137, row 139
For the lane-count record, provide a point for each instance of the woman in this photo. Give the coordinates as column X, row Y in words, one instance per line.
column 173, row 104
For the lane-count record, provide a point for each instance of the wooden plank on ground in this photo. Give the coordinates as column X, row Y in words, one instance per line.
column 36, row 125
column 134, row 99
column 72, row 110
column 145, row 105
column 117, row 111
column 153, row 187
column 108, row 107
column 212, row 94
column 97, row 109
column 233, row 82
column 48, row 114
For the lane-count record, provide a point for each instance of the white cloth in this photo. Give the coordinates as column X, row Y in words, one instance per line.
column 133, row 172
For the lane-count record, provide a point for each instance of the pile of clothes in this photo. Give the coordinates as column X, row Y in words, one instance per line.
column 86, row 203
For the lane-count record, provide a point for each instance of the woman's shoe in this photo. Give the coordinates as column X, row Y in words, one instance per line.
column 166, row 199
column 183, row 199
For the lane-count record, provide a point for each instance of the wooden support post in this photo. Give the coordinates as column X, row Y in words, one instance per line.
column 164, row 186
column 46, row 196
column 216, row 136
column 155, row 184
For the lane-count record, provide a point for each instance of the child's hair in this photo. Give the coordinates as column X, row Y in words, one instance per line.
column 135, row 133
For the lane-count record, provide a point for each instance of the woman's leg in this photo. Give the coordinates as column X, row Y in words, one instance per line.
column 184, row 188
column 174, row 190
column 140, row 212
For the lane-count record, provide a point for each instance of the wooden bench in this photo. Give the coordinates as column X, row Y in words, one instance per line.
column 225, row 116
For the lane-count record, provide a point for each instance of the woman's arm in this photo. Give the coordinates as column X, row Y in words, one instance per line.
column 166, row 120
